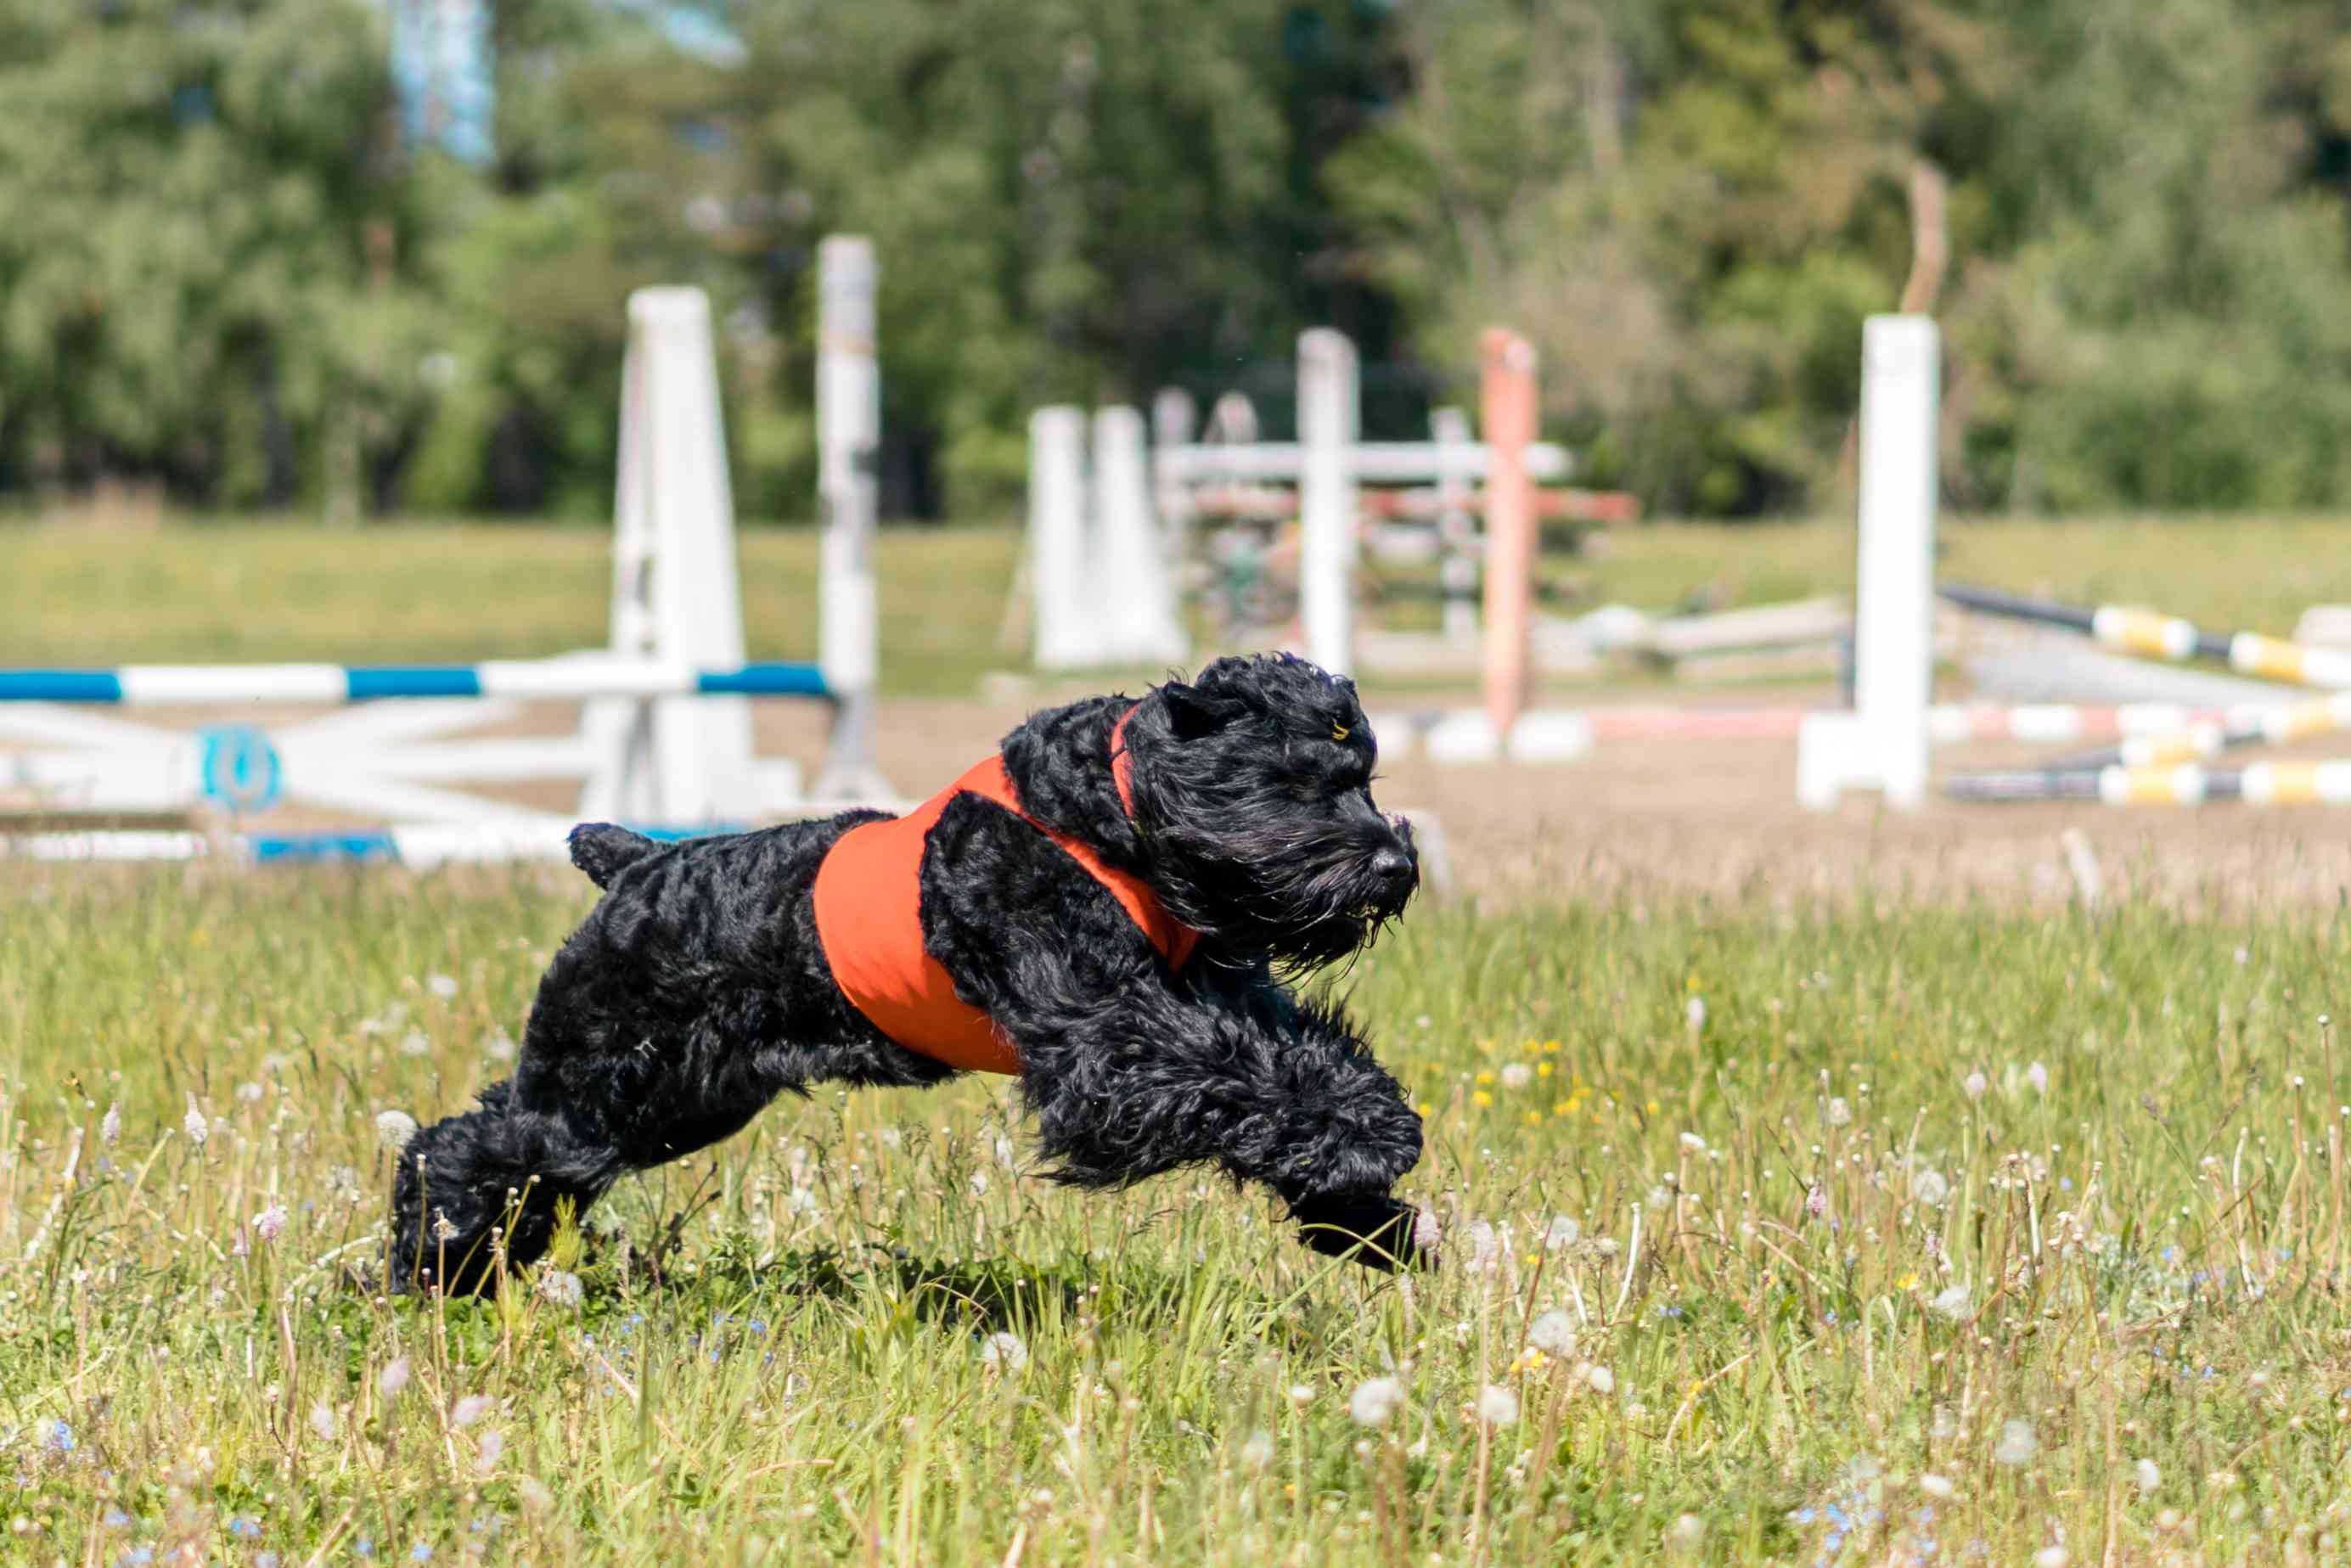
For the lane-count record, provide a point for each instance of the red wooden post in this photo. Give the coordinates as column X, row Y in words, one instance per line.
column 1508, row 398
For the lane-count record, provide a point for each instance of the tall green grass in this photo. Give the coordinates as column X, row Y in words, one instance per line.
column 1849, row 1235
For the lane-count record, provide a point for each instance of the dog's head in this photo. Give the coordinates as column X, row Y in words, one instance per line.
column 1252, row 792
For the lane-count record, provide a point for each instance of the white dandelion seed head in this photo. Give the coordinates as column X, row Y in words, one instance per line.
column 979, row 1184
column 1694, row 1010
column 1004, row 1352
column 1659, row 1197
column 1927, row 1186
column 1696, row 1145
column 485, row 1455
column 1484, row 1246
column 415, row 1043
column 1374, row 1400
column 2147, row 1475
column 1600, row 1379
column 322, row 1421
column 1563, row 1232
column 1497, row 1406
column 2017, row 1444
column 195, row 1124
column 394, row 1378
column 470, row 1409
column 2038, row 1076
column 1518, row 1075
column 2051, row 1557
column 394, row 1129
column 110, row 1126
column 1686, row 1531
column 444, row 1228
column 1952, row 1302
column 1840, row 1114
column 1257, row 1452
column 499, row 1046
column 800, row 1201
column 1552, row 1332
column 442, row 985
column 1936, row 1486
column 1975, row 1083
column 270, row 1223
column 248, row 1093
column 1004, row 1153
column 1426, row 1230
column 560, row 1288
column 1301, row 1395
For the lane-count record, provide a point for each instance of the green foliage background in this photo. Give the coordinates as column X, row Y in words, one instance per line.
column 223, row 271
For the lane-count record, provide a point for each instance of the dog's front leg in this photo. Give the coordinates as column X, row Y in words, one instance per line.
column 1234, row 1071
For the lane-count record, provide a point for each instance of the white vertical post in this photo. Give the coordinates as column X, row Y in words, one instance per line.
column 1135, row 598
column 676, row 596
column 849, row 434
column 1328, row 416
column 1174, row 417
column 1457, row 532
column 1064, row 622
column 1883, row 743
column 1508, row 397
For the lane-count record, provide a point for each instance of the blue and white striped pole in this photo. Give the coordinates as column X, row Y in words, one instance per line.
column 194, row 686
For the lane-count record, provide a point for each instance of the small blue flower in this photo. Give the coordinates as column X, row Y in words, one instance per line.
column 61, row 1438
column 364, row 1547
column 139, row 1554
column 1803, row 1516
column 759, row 1327
column 420, row 1553
column 116, row 1518
column 242, row 1526
column 265, row 1560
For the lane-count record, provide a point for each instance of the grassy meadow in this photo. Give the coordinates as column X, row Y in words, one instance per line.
column 1904, row 1235
column 215, row 593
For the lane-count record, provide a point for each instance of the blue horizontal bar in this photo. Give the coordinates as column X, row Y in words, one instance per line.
column 317, row 847
column 369, row 682
column 60, row 687
column 766, row 680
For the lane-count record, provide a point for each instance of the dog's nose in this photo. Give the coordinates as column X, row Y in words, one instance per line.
column 1392, row 865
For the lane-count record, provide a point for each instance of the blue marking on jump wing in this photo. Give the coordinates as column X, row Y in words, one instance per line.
column 321, row 847
column 770, row 680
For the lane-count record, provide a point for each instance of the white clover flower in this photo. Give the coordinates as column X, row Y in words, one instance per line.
column 2038, row 1076
column 560, row 1288
column 394, row 1129
column 1518, row 1075
column 1840, row 1114
column 1952, row 1302
column 1563, row 1232
column 442, row 985
column 394, row 1378
column 1374, row 1400
column 110, row 1126
column 1004, row 1351
column 1497, row 1406
column 1257, row 1452
column 2017, row 1444
column 1552, row 1332
column 1927, row 1186
column 270, row 1223
column 470, row 1409
column 195, row 1124
column 322, row 1421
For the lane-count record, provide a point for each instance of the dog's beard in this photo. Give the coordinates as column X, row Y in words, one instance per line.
column 1300, row 900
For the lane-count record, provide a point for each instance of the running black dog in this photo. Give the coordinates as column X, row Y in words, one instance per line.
column 1107, row 909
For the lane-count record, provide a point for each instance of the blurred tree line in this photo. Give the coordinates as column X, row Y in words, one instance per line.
column 224, row 268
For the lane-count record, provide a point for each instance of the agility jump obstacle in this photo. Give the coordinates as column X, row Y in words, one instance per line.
column 664, row 735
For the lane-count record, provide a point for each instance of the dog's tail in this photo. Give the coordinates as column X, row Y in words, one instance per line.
column 603, row 850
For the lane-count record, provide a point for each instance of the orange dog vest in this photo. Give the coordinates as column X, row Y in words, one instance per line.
column 869, row 917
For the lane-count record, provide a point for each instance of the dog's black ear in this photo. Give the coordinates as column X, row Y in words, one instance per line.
column 1193, row 712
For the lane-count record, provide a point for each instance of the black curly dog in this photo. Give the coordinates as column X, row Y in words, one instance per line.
column 697, row 988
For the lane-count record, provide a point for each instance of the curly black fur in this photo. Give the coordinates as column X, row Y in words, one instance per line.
column 697, row 989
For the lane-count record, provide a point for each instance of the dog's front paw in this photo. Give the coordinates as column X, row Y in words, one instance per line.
column 1373, row 1229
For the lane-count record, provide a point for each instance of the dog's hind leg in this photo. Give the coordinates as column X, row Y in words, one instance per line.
column 487, row 1182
